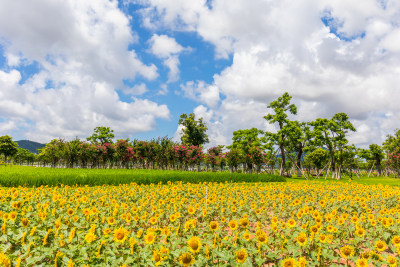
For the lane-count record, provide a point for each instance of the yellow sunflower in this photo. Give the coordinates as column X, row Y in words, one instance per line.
column 347, row 251
column 194, row 244
column 289, row 262
column 380, row 245
column 291, row 223
column 149, row 238
column 396, row 240
column 214, row 225
column 362, row 262
column 90, row 237
column 186, row 259
column 241, row 255
column 301, row 239
column 111, row 220
column 120, row 235
column 233, row 225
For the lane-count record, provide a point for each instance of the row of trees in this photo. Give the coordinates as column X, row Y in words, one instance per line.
column 308, row 148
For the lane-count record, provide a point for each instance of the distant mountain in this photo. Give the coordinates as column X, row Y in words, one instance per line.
column 30, row 145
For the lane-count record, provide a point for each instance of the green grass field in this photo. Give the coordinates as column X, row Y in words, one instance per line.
column 362, row 180
column 31, row 176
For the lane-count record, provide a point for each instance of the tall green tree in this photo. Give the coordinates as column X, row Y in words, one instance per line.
column 194, row 131
column 8, row 148
column 374, row 153
column 101, row 135
column 331, row 134
column 281, row 108
column 244, row 141
column 299, row 136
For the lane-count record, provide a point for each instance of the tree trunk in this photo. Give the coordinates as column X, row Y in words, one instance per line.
column 378, row 168
column 298, row 164
column 282, row 170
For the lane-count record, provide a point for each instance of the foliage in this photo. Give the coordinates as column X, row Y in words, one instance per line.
column 281, row 107
column 8, row 148
column 331, row 134
column 101, row 135
column 194, row 131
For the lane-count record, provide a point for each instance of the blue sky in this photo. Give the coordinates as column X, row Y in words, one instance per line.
column 137, row 65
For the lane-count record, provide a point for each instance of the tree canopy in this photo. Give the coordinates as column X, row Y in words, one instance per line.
column 194, row 131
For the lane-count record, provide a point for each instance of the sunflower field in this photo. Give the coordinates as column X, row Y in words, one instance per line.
column 221, row 224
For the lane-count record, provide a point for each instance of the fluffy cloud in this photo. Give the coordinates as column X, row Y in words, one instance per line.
column 82, row 52
column 201, row 92
column 168, row 49
column 331, row 56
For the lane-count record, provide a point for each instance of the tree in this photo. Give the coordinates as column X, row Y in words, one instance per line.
column 299, row 136
column 7, row 147
column 101, row 135
column 331, row 134
column 374, row 153
column 392, row 149
column 318, row 158
column 392, row 142
column 281, row 108
column 244, row 141
column 194, row 131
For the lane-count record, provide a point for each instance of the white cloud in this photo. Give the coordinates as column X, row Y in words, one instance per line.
column 201, row 92
column 82, row 50
column 138, row 89
column 280, row 46
column 168, row 49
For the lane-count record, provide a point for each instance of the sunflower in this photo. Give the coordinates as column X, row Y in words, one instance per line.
column 301, row 239
column 362, row 262
column 396, row 240
column 233, row 225
column 360, row 232
column 191, row 210
column 106, row 231
column 244, row 222
column 380, row 245
column 302, row 262
column 322, row 238
column 241, row 255
column 13, row 215
column 24, row 222
column 392, row 261
column 291, row 223
column 120, row 235
column 347, row 251
column 247, row 236
column 289, row 262
column 314, row 229
column 149, row 238
column 194, row 244
column 111, row 220
column 262, row 238
column 153, row 220
column 366, row 255
column 157, row 258
column 172, row 218
column 186, row 259
column 214, row 225
column 90, row 237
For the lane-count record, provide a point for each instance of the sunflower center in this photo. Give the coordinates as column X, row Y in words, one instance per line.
column 120, row 236
column 187, row 258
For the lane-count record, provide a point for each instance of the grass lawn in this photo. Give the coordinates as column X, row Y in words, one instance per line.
column 362, row 180
column 14, row 175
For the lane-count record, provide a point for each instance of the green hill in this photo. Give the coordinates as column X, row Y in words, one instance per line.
column 30, row 145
